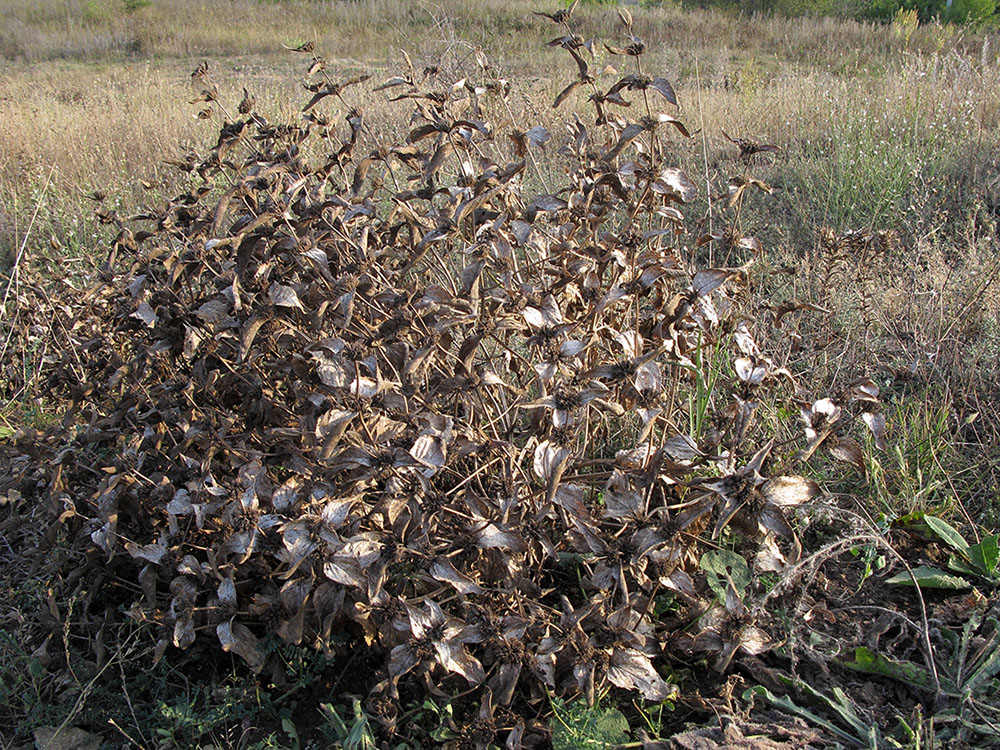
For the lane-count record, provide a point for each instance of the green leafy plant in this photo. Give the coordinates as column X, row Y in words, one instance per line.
column 967, row 664
column 351, row 733
column 980, row 561
column 847, row 724
column 724, row 568
column 577, row 726
column 22, row 682
column 871, row 555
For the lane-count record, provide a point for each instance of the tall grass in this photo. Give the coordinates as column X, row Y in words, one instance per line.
column 36, row 30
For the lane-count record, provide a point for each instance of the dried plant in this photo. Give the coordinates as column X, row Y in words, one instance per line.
column 396, row 399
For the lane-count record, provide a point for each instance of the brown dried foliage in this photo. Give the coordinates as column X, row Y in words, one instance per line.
column 397, row 400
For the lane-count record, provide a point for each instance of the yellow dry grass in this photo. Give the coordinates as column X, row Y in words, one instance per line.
column 87, row 76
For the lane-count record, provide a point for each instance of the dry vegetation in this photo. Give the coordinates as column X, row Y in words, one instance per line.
column 517, row 423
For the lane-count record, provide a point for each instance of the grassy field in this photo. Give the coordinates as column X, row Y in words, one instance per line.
column 100, row 104
column 885, row 133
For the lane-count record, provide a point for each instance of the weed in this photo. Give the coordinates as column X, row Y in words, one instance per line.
column 576, row 725
column 460, row 393
column 846, row 725
column 980, row 560
column 968, row 662
column 355, row 735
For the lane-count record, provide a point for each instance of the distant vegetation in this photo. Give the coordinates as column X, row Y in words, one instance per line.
column 948, row 11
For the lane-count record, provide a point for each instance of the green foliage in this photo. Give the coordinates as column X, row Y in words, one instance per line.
column 973, row 661
column 22, row 684
column 866, row 660
column 928, row 577
column 708, row 371
column 871, row 556
column 846, row 723
column 779, row 7
column 351, row 733
column 974, row 12
column 724, row 568
column 806, row 7
column 957, row 11
column 97, row 11
column 911, row 476
column 576, row 726
column 186, row 722
column 980, row 560
column 967, row 663
column 869, row 173
column 985, row 556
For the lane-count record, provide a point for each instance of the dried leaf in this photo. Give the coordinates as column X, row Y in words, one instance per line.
column 847, row 449
column 876, row 424
column 629, row 134
column 546, row 202
column 663, row 87
column 676, row 184
column 790, row 490
column 444, row 571
column 708, row 280
column 632, row 670
column 237, row 638
column 429, row 450
column 284, row 296
column 750, row 371
column 146, row 314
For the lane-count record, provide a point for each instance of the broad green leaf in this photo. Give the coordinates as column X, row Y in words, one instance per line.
column 361, row 737
column 844, row 706
column 946, row 533
column 930, row 578
column 333, row 719
column 839, row 704
column 959, row 565
column 721, row 567
column 292, row 733
column 985, row 555
column 866, row 660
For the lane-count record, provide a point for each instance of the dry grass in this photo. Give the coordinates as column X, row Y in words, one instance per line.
column 37, row 30
column 101, row 95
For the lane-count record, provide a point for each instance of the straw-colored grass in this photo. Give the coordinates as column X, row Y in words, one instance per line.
column 99, row 88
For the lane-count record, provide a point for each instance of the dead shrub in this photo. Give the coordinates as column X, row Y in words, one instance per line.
column 407, row 399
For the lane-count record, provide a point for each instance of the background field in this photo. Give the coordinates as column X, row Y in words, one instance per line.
column 888, row 128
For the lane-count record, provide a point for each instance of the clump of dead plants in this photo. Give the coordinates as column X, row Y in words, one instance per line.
column 413, row 400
